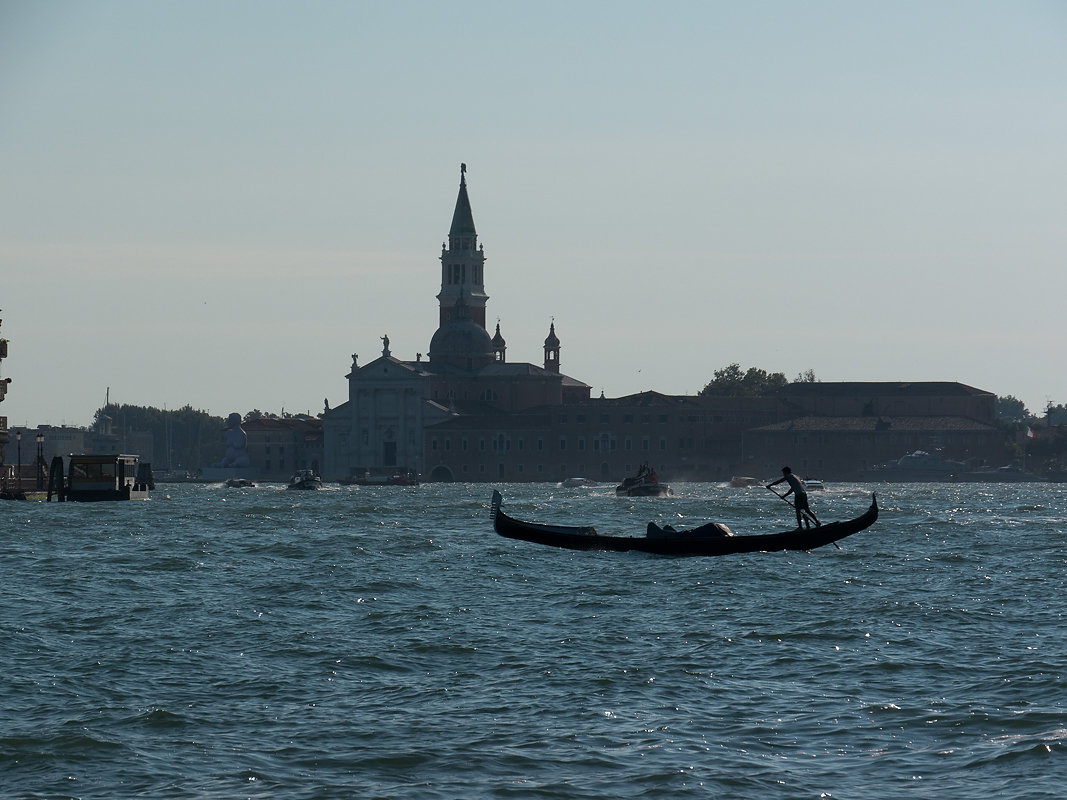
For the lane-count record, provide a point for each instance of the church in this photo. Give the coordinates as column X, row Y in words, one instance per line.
column 392, row 403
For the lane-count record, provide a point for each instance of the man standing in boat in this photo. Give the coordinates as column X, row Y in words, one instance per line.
column 800, row 496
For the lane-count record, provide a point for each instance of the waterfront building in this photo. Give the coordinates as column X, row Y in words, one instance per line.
column 4, row 436
column 279, row 446
column 836, row 431
column 465, row 412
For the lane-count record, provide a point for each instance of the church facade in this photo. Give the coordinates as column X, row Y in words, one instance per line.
column 392, row 403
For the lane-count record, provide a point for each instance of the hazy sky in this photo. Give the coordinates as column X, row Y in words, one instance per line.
column 217, row 203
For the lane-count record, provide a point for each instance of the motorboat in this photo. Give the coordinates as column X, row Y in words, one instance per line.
column 305, row 479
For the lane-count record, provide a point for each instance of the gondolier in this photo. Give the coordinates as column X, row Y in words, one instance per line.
column 800, row 496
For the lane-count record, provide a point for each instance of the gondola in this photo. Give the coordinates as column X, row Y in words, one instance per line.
column 707, row 540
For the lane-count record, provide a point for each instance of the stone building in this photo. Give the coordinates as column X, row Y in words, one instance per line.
column 393, row 403
column 279, row 446
column 836, row 431
column 604, row 439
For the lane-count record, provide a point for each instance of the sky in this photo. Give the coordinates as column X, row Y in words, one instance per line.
column 217, row 204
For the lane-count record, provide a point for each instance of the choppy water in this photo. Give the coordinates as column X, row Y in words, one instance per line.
column 385, row 643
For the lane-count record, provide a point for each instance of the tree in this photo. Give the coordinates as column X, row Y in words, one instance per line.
column 732, row 381
column 1011, row 409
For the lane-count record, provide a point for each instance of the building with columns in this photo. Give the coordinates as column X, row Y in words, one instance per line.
column 393, row 403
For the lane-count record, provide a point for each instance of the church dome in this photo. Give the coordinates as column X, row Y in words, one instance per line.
column 461, row 342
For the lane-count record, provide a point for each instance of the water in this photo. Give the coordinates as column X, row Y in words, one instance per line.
column 385, row 643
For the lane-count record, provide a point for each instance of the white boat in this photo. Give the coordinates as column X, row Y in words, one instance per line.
column 575, row 483
column 743, row 481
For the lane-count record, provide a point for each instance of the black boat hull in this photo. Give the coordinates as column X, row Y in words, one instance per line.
column 682, row 544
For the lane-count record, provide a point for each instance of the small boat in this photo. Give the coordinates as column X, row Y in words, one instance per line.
column 373, row 479
column 577, row 483
column 93, row 478
column 743, row 481
column 1005, row 474
column 644, row 484
column 305, row 479
column 918, row 467
column 712, row 539
column 239, row 483
column 814, row 485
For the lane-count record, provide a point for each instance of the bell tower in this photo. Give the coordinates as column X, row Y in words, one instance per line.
column 552, row 349
column 462, row 262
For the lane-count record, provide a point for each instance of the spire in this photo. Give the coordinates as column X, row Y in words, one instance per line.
column 463, row 218
column 552, row 340
column 462, row 262
column 552, row 349
column 499, row 345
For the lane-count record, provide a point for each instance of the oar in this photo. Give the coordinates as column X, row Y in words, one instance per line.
column 781, row 497
column 785, row 500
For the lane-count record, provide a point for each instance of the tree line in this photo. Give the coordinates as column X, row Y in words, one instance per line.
column 184, row 438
